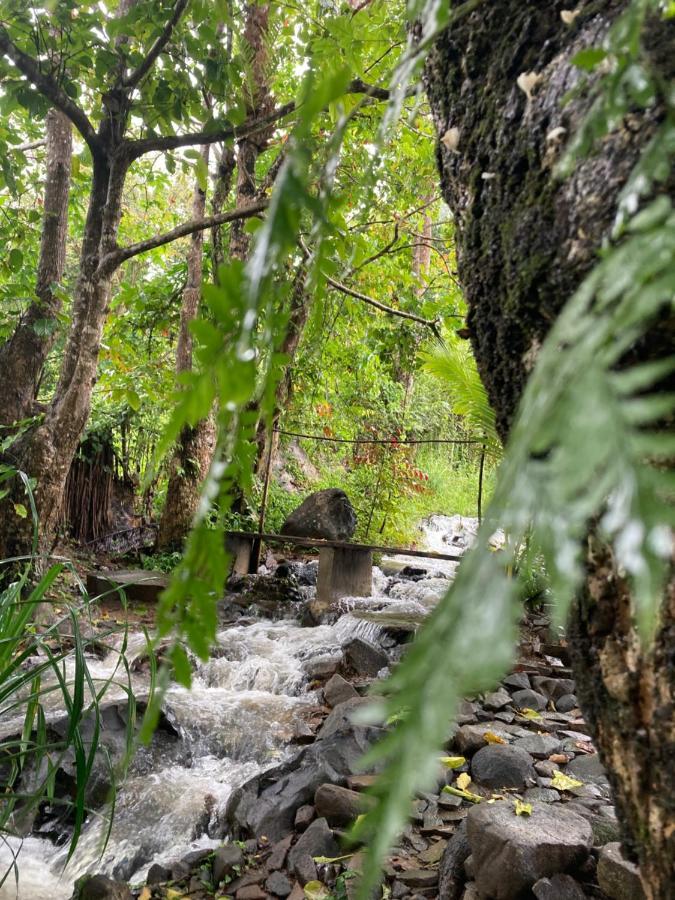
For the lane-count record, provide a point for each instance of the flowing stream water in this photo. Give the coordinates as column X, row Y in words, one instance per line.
column 237, row 720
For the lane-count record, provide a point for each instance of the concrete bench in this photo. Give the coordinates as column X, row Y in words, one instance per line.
column 345, row 568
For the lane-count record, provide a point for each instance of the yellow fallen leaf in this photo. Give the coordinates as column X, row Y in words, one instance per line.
column 522, row 808
column 314, row 890
column 173, row 894
column 493, row 738
column 564, row 783
column 465, row 795
column 325, row 860
column 452, row 762
column 463, row 781
column 530, row 713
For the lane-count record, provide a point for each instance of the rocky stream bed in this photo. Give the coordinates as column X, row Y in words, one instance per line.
column 253, row 776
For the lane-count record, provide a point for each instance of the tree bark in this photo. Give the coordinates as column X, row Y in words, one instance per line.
column 23, row 356
column 525, row 240
column 194, row 452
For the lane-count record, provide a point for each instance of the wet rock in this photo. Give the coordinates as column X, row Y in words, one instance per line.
column 267, row 803
column 541, row 746
column 365, row 658
column 338, row 805
column 529, row 700
column 414, row 573
column 553, row 688
column 318, row 840
column 466, row 713
column 497, row 699
column 337, row 690
column 511, row 853
column 499, row 766
column 451, row 867
column 269, row 594
column 158, row 874
column 558, row 887
column 99, row 887
column 339, row 719
column 324, row 514
column 566, row 703
column 304, row 816
column 546, row 768
column 278, row 884
column 518, row 681
column 224, row 861
column 251, row 892
column 617, row 877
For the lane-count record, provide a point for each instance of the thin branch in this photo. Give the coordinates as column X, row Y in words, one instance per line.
column 144, row 67
column 364, row 298
column 50, row 89
column 31, row 145
column 115, row 258
column 371, row 259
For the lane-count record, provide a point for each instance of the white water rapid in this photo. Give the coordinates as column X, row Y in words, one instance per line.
column 237, row 720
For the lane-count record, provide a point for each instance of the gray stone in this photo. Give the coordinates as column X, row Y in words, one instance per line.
column 529, row 700
column 558, row 887
column 497, row 699
column 587, row 768
column 451, row 866
column 617, row 877
column 278, row 884
column 338, row 805
column 340, row 718
column 337, row 690
column 326, row 514
column 422, row 878
column 499, row 766
column 466, row 713
column 304, row 816
column 566, row 703
column 542, row 794
column 546, row 768
column 225, row 859
column 470, row 738
column 541, row 746
column 365, row 658
column 318, row 840
column 511, row 853
column 157, row 874
column 553, row 687
column 518, row 681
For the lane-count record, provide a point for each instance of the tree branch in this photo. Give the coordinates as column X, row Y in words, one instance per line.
column 115, row 258
column 50, row 89
column 31, row 145
column 364, row 298
column 138, row 148
column 144, row 67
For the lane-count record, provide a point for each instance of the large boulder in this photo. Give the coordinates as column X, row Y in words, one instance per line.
column 511, row 853
column 500, row 766
column 325, row 514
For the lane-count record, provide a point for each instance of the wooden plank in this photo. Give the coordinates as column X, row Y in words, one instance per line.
column 343, row 545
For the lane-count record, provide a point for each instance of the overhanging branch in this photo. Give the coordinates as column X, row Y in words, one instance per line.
column 115, row 258
column 49, row 88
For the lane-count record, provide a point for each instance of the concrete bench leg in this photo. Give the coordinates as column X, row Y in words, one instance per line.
column 240, row 550
column 343, row 573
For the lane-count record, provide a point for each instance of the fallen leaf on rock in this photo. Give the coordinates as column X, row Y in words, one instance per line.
column 145, row 894
column 463, row 781
column 530, row 714
column 522, row 808
column 465, row 795
column 325, row 860
column 314, row 890
column 452, row 762
column 493, row 738
column 564, row 783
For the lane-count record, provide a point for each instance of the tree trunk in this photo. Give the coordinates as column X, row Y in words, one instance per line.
column 524, row 242
column 23, row 357
column 194, row 452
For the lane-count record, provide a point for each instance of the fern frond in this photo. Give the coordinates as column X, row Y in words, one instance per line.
column 578, row 452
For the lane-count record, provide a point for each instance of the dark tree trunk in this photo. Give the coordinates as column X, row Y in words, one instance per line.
column 194, row 452
column 23, row 357
column 524, row 242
